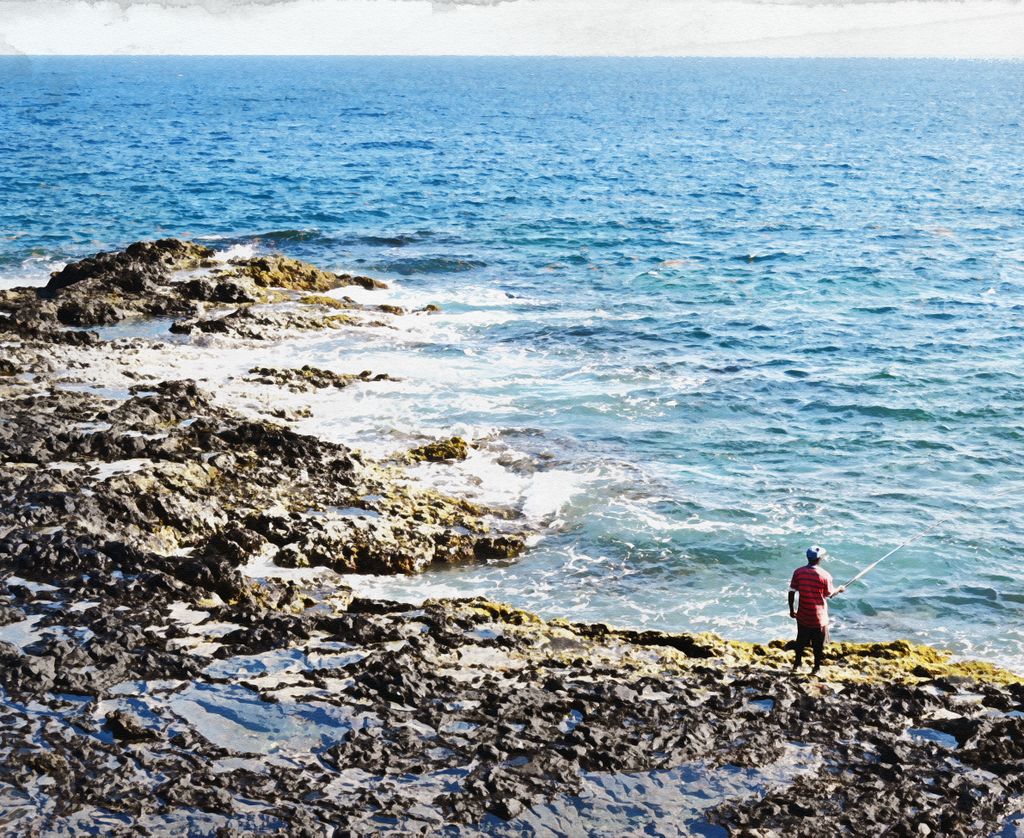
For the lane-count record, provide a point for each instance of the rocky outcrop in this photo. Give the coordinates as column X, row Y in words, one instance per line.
column 108, row 287
column 281, row 272
column 454, row 448
column 182, row 281
column 139, row 265
column 277, row 271
column 366, row 282
column 168, row 471
column 262, row 323
column 327, row 302
column 307, row 378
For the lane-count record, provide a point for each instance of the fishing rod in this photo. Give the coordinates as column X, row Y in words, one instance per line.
column 911, row 540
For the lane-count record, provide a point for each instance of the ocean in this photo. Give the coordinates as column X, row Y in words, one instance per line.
column 697, row 314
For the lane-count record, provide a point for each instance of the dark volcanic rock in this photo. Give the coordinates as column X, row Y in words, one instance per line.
column 37, row 321
column 252, row 323
column 308, row 378
column 134, row 269
column 366, row 282
column 88, row 312
column 198, row 473
column 136, row 281
column 212, row 290
column 128, row 728
column 140, row 281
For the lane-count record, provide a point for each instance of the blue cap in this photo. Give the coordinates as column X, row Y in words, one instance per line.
column 816, row 552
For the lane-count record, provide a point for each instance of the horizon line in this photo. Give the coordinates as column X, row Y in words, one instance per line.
column 520, row 55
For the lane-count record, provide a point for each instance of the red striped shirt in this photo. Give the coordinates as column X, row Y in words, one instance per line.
column 814, row 587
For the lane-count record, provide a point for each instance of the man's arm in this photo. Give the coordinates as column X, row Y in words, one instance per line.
column 792, row 597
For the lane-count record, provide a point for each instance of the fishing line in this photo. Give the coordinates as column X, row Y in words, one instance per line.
column 914, row 538
column 896, row 549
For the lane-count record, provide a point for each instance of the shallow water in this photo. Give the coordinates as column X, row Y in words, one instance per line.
column 666, row 803
column 702, row 312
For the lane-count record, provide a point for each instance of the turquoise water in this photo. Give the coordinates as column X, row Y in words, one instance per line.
column 701, row 313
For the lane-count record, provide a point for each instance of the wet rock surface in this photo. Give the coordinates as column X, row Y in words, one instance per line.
column 178, row 653
column 316, row 713
column 183, row 281
column 167, row 471
column 307, row 378
column 261, row 324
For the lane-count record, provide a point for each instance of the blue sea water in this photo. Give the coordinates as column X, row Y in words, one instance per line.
column 701, row 313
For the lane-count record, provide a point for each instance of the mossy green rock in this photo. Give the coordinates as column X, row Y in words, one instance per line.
column 454, row 448
column 324, row 300
column 284, row 272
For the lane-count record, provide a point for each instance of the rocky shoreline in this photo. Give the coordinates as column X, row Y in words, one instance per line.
column 179, row 655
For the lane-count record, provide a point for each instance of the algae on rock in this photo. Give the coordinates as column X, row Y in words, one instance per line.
column 454, row 448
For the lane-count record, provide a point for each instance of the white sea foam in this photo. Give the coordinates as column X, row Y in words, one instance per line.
column 414, row 591
column 32, row 272
column 643, row 515
column 482, row 297
column 537, row 496
column 235, row 251
column 548, row 492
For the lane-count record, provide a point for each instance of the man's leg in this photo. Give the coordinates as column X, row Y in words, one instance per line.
column 818, row 645
column 801, row 644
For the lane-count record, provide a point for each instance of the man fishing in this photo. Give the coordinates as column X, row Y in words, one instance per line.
column 814, row 586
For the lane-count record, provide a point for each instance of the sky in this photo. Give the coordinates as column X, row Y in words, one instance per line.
column 896, row 28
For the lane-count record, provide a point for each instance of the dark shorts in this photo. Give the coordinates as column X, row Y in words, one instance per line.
column 814, row 637
column 808, row 636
